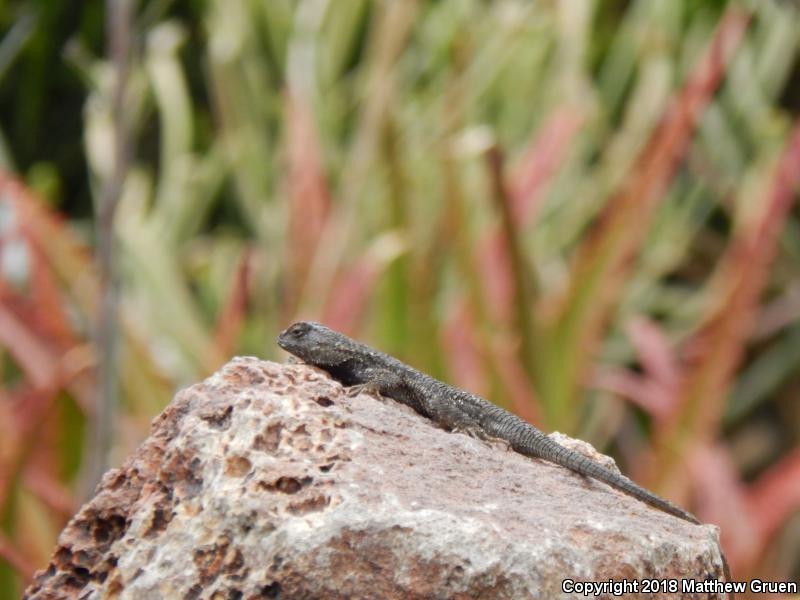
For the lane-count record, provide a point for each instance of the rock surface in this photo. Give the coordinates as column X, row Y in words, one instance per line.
column 268, row 481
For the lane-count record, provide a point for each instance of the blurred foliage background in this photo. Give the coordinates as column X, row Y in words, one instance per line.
column 583, row 210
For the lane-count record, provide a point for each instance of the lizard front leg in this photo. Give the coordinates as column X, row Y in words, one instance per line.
column 382, row 382
column 391, row 384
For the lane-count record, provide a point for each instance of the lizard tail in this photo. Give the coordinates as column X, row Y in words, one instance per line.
column 585, row 466
column 528, row 440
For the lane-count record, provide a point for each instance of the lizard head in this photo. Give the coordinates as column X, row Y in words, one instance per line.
column 316, row 344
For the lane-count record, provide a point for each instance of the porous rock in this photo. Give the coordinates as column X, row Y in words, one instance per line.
column 269, row 481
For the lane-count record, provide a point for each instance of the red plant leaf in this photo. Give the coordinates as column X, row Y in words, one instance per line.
column 527, row 185
column 641, row 391
column 308, row 194
column 69, row 258
column 31, row 409
column 49, row 301
column 740, row 279
column 654, row 351
column 231, row 317
column 48, row 489
column 459, row 341
column 508, row 367
column 773, row 499
column 605, row 259
column 655, row 390
column 352, row 290
column 722, row 499
column 21, row 564
column 542, row 159
column 37, row 359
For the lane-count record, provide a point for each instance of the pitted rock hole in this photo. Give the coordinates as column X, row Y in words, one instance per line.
column 285, row 485
column 210, row 560
column 324, row 401
column 314, row 504
column 159, row 521
column 237, row 466
column 219, row 419
column 179, row 472
column 74, row 576
column 300, row 439
column 270, row 439
column 107, row 530
column 272, row 590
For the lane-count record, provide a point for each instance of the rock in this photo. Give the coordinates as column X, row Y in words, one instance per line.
column 268, row 481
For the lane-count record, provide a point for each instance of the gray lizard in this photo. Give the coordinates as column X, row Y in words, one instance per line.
column 356, row 364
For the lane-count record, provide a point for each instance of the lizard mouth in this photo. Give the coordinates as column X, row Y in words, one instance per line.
column 283, row 342
column 291, row 339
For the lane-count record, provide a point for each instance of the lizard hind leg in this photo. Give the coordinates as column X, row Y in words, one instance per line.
column 476, row 432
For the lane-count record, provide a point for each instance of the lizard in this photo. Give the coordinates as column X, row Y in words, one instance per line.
column 361, row 367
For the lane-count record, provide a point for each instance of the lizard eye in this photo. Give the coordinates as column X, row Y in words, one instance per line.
column 298, row 330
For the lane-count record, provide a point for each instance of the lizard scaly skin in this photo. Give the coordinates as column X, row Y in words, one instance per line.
column 356, row 364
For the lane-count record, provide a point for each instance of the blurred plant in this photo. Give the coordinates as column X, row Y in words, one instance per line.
column 558, row 205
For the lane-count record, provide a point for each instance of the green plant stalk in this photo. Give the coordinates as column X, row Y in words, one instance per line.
column 605, row 260
column 743, row 271
column 523, row 283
